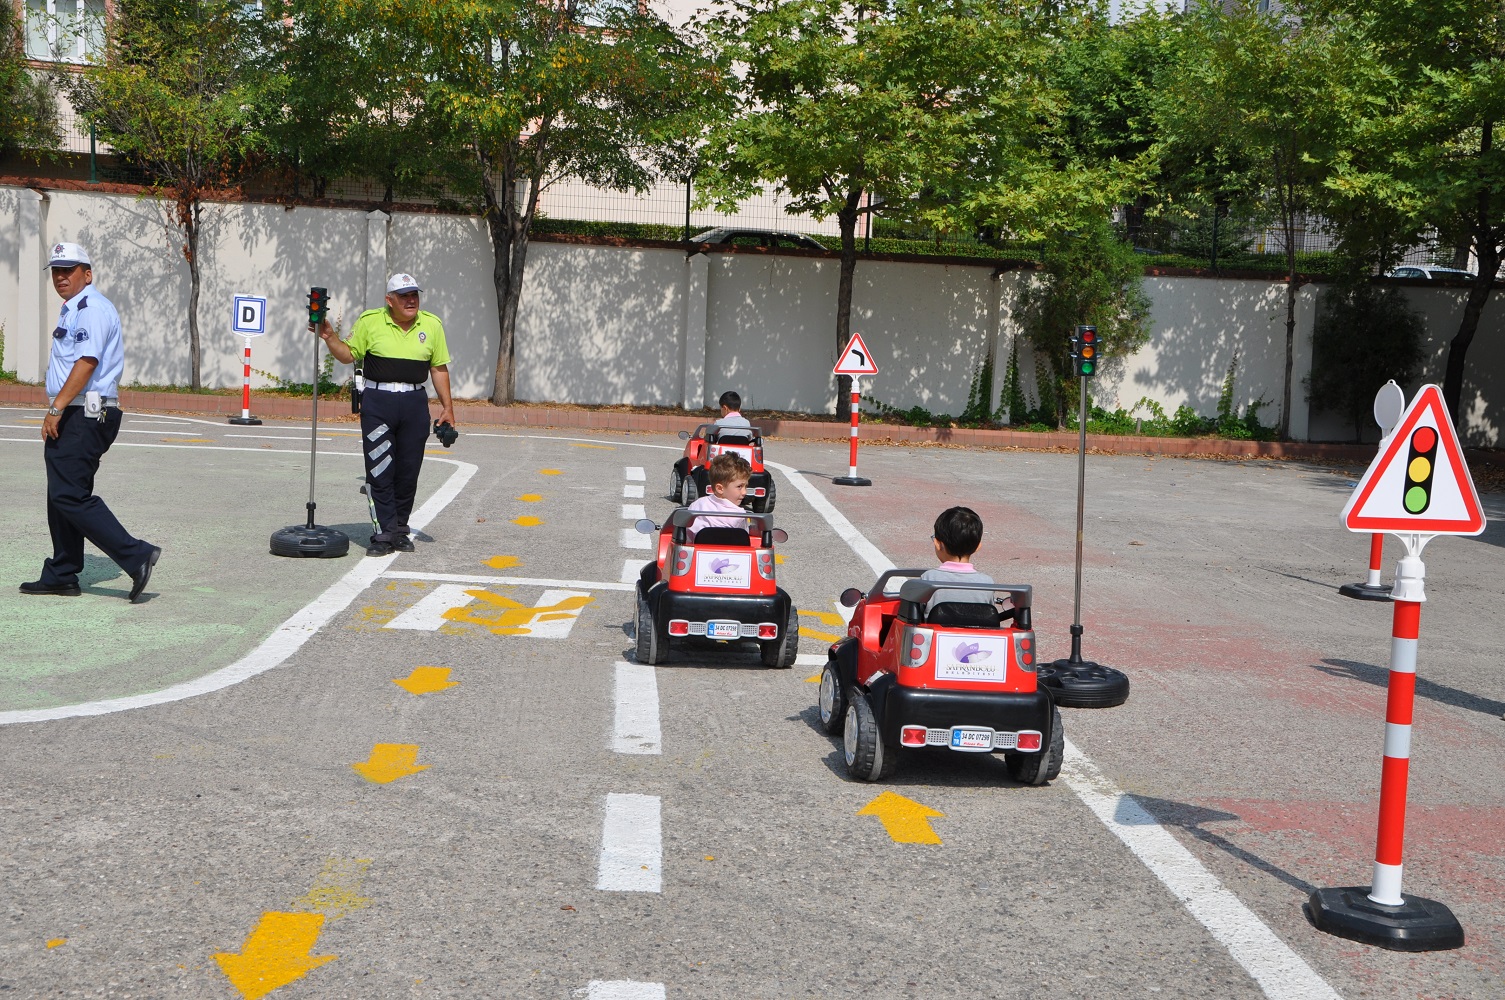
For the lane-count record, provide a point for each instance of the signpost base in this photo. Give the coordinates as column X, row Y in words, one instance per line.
column 1416, row 925
column 316, row 542
column 246, row 421
column 1366, row 592
column 852, row 481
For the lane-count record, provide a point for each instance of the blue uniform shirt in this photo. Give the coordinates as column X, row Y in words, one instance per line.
column 88, row 327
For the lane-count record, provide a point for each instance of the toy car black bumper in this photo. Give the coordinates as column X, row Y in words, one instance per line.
column 1004, row 712
column 668, row 605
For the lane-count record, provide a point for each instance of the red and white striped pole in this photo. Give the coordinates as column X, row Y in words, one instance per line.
column 1399, row 701
column 1373, row 588
column 851, row 478
column 245, row 392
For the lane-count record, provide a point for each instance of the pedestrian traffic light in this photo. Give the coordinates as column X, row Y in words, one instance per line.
column 318, row 305
column 1084, row 352
column 1421, row 463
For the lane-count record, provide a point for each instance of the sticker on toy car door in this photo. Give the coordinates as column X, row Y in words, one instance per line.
column 968, row 658
column 728, row 570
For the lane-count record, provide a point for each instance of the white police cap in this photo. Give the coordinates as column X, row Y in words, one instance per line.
column 67, row 255
column 402, row 282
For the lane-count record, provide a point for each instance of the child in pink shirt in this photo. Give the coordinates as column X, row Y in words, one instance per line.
column 728, row 474
column 958, row 532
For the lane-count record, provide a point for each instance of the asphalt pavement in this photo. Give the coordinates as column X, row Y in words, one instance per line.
column 256, row 804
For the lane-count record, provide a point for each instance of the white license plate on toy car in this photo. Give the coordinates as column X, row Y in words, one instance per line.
column 723, row 630
column 971, row 738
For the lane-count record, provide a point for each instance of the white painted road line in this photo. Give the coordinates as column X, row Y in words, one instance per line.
column 637, row 729
column 630, row 570
column 516, row 581
column 631, row 845
column 428, row 614
column 290, row 635
column 1279, row 971
column 1269, row 961
column 635, row 474
column 634, row 539
column 633, row 512
column 623, row 989
column 811, row 660
column 631, row 492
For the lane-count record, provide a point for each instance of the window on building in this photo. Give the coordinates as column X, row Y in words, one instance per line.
column 64, row 30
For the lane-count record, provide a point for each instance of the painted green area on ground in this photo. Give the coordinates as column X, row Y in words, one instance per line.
column 215, row 595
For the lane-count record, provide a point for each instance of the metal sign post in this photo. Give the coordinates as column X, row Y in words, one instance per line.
column 1416, row 488
column 248, row 319
column 855, row 360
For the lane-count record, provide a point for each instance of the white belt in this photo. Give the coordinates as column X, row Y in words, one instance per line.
column 393, row 386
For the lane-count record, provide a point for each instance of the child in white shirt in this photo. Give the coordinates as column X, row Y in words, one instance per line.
column 728, row 474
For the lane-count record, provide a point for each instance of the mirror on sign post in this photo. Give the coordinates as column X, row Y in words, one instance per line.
column 1389, row 404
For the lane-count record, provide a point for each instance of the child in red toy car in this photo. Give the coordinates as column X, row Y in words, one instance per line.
column 958, row 533
column 731, row 410
column 729, row 473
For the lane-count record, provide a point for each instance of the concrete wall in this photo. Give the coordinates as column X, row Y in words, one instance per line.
column 651, row 327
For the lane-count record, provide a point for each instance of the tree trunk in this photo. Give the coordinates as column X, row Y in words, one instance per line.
column 847, row 218
column 1287, row 187
column 501, row 275
column 189, row 216
column 1487, row 247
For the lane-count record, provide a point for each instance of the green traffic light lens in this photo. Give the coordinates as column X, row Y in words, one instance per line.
column 1416, row 500
column 1087, row 367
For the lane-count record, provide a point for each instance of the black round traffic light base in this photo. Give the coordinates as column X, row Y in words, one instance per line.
column 1416, row 925
column 1364, row 592
column 852, row 481
column 1084, row 684
column 246, row 421
column 315, row 542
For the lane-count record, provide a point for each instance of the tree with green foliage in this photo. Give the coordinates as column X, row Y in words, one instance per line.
column 1257, row 93
column 1365, row 334
column 841, row 102
column 1419, row 158
column 28, row 105
column 177, row 96
column 526, row 94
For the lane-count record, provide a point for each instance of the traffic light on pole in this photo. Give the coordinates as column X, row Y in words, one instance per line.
column 1084, row 348
column 318, row 305
column 1421, row 463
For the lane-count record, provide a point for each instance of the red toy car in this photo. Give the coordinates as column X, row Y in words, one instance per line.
column 720, row 585
column 690, row 479
column 960, row 677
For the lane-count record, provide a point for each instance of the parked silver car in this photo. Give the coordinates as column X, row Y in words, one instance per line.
column 1429, row 273
column 757, row 238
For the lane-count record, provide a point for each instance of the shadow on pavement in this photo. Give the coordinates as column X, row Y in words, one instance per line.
column 1380, row 677
column 1190, row 818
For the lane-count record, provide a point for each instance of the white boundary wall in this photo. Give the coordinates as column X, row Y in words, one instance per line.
column 648, row 326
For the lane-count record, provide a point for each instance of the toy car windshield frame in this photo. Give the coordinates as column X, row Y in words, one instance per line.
column 682, row 516
column 752, row 435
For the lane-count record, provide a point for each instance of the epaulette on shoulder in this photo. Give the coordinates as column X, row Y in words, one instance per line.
column 369, row 312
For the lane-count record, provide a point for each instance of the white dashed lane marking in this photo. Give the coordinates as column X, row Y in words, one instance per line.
column 635, row 474
column 637, row 729
column 631, row 492
column 623, row 989
column 631, row 845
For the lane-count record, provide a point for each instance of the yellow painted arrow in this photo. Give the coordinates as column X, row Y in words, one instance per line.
column 907, row 821
column 274, row 954
column 390, row 761
column 424, row 680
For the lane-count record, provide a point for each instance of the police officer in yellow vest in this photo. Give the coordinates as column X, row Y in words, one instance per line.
column 397, row 349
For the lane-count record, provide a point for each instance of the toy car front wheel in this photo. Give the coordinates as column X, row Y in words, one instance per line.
column 689, row 491
column 781, row 652
column 1039, row 768
column 653, row 643
column 867, row 757
column 676, row 483
column 833, row 703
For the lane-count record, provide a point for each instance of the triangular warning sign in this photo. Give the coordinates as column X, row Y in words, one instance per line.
column 856, row 359
column 1418, row 483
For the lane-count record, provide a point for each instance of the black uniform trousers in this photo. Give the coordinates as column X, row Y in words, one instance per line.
column 396, row 428
column 74, row 513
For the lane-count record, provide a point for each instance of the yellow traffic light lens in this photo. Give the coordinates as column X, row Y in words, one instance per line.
column 1088, row 351
column 1419, row 469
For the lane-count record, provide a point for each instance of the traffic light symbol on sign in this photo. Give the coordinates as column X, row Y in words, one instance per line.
column 318, row 304
column 1421, row 463
column 1084, row 347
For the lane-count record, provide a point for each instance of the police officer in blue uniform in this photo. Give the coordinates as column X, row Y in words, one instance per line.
column 83, row 418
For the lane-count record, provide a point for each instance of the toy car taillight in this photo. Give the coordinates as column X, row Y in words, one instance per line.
column 765, row 564
column 914, row 646
column 1024, row 650
column 1028, row 740
column 679, row 627
column 768, row 630
column 913, row 736
column 683, row 554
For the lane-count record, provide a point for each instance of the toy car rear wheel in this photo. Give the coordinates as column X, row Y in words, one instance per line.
column 868, row 757
column 689, row 491
column 833, row 702
column 653, row 643
column 676, row 483
column 1084, row 685
column 1039, row 768
column 781, row 652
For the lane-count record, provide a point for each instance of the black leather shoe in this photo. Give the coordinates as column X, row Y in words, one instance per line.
column 379, row 548
column 144, row 573
column 402, row 543
column 38, row 588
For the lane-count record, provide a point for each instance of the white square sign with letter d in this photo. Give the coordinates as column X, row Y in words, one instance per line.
column 248, row 315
